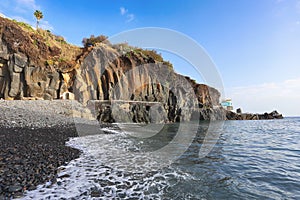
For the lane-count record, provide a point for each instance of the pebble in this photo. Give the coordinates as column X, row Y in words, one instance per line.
column 95, row 192
column 15, row 188
column 41, row 152
column 32, row 145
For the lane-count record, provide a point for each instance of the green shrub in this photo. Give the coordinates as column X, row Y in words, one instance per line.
column 94, row 40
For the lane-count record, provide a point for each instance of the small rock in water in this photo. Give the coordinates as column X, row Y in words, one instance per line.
column 84, row 194
column 122, row 195
column 64, row 176
column 95, row 192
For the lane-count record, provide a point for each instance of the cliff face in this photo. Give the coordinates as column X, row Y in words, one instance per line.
column 108, row 74
column 38, row 65
column 33, row 64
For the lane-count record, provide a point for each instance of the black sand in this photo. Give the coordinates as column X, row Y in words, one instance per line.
column 31, row 156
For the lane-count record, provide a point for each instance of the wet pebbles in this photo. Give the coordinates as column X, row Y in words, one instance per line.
column 29, row 157
column 32, row 144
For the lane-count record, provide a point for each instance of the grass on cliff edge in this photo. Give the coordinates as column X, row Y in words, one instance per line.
column 57, row 45
column 68, row 53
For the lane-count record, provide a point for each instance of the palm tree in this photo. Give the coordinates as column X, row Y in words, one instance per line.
column 38, row 15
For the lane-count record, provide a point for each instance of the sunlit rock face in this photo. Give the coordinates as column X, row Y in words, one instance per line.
column 31, row 68
column 105, row 74
column 31, row 64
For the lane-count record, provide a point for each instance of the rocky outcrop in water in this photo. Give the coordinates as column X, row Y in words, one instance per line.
column 250, row 116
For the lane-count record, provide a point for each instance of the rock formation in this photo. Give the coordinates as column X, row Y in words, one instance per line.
column 249, row 116
column 39, row 65
column 33, row 65
column 107, row 74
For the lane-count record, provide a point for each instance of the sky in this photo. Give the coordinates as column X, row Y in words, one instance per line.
column 254, row 44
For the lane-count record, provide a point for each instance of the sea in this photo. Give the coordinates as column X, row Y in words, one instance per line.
column 192, row 160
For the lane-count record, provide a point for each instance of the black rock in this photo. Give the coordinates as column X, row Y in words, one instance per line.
column 84, row 194
column 122, row 195
column 32, row 187
column 64, row 176
column 15, row 188
column 31, row 157
column 95, row 192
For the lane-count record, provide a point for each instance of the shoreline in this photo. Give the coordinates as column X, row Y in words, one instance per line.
column 33, row 138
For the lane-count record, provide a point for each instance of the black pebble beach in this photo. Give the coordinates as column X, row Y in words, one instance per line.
column 31, row 156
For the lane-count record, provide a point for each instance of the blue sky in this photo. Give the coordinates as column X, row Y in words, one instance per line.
column 255, row 44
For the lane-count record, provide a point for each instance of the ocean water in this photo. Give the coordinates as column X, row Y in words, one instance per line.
column 244, row 160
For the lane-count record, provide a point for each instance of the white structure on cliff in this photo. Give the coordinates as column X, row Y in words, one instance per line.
column 67, row 96
column 227, row 104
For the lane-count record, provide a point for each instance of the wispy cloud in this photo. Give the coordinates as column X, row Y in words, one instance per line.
column 22, row 10
column 123, row 11
column 129, row 16
column 283, row 96
column 46, row 25
column 26, row 5
column 22, row 19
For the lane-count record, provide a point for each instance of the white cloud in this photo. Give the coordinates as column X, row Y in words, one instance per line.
column 284, row 96
column 24, row 6
column 22, row 10
column 28, row 3
column 123, row 11
column 129, row 16
column 46, row 25
column 21, row 19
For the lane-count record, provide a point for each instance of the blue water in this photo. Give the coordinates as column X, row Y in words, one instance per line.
column 249, row 160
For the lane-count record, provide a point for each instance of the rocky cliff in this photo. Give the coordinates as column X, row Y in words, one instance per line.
column 107, row 73
column 33, row 64
column 39, row 65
